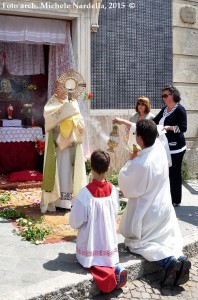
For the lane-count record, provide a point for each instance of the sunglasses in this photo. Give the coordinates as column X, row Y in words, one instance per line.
column 141, row 104
column 165, row 96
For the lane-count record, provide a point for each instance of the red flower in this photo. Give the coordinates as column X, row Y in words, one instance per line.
column 90, row 95
column 40, row 146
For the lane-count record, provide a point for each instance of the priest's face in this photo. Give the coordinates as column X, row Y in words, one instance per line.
column 139, row 141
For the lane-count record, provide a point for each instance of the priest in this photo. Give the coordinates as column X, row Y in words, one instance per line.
column 149, row 223
column 64, row 167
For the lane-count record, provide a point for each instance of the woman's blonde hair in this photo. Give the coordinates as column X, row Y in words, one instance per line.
column 145, row 101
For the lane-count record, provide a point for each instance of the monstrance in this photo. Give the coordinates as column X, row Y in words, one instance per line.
column 70, row 85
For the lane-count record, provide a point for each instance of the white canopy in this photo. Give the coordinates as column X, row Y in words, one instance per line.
column 32, row 30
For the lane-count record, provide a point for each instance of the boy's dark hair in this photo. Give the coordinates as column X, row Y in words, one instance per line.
column 147, row 129
column 100, row 161
column 173, row 91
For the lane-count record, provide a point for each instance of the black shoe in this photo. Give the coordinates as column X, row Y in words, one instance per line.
column 183, row 274
column 176, row 204
column 171, row 273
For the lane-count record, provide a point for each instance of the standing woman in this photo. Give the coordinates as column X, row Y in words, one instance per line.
column 174, row 120
column 142, row 108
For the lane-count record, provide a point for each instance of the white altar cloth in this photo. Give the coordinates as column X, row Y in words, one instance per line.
column 12, row 134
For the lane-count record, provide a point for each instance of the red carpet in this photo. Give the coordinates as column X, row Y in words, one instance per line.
column 4, row 185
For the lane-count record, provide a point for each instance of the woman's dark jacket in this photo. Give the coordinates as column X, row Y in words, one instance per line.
column 178, row 118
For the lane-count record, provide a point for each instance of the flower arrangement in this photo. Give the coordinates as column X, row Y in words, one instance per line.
column 40, row 146
column 88, row 96
column 32, row 230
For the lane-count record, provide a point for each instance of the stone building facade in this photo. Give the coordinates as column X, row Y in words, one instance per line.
column 185, row 71
column 128, row 52
column 131, row 53
column 184, row 59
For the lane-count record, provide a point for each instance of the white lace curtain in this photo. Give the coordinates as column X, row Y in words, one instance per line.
column 22, row 59
column 61, row 59
column 32, row 30
column 21, row 43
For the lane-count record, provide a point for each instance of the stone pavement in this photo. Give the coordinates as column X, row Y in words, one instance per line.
column 149, row 288
column 51, row 271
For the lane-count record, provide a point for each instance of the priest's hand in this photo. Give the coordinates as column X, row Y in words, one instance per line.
column 168, row 128
column 133, row 155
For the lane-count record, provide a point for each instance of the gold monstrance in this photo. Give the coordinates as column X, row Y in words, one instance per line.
column 70, row 85
column 114, row 137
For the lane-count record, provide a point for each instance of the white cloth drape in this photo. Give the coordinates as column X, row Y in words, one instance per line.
column 22, row 59
column 61, row 59
column 32, row 30
column 84, row 110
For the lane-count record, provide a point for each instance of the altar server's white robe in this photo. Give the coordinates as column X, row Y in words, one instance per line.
column 149, row 223
column 95, row 219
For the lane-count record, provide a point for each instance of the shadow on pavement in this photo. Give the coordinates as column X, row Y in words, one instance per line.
column 190, row 188
column 188, row 214
column 64, row 262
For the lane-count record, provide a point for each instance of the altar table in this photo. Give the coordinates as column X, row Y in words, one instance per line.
column 17, row 149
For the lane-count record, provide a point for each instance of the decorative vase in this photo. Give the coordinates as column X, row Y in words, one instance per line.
column 27, row 120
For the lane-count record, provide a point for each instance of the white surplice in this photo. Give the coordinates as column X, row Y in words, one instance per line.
column 95, row 219
column 149, row 223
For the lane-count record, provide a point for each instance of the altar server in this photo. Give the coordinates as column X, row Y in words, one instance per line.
column 94, row 214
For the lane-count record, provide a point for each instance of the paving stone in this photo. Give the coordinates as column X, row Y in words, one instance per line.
column 125, row 290
column 138, row 283
column 146, row 296
column 148, row 290
column 127, row 296
column 194, row 259
column 135, row 294
column 156, row 291
column 155, row 296
column 141, row 291
column 195, row 278
column 193, row 272
column 132, row 286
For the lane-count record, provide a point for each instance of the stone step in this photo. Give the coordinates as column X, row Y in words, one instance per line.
column 81, row 286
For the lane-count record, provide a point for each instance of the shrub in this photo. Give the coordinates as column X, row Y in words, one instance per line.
column 5, row 197
column 113, row 178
